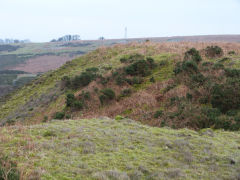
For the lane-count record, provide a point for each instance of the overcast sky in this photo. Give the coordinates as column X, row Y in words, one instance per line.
column 43, row 20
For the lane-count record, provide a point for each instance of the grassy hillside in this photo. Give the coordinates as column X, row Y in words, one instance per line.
column 161, row 97
column 120, row 149
column 168, row 85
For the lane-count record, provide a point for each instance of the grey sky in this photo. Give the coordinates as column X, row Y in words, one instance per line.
column 42, row 20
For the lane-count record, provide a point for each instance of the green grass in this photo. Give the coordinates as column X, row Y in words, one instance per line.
column 100, row 148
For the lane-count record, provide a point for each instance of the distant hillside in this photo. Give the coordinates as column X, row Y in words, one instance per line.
column 32, row 57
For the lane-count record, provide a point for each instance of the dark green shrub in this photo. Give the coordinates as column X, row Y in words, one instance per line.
column 213, row 51
column 151, row 62
column 93, row 69
column 232, row 73
column 193, row 55
column 135, row 57
column 45, row 119
column 223, row 122
column 68, row 116
column 163, row 123
column 232, row 113
column 66, row 82
column 131, row 58
column 123, row 59
column 189, row 96
column 84, row 79
column 107, row 95
column 78, row 105
column 152, row 79
column 70, row 99
column 207, row 63
column 204, row 100
column 209, row 117
column 226, row 96
column 158, row 114
column 237, row 118
column 134, row 80
column 198, row 78
column 120, row 80
column 231, row 52
column 189, row 66
column 59, row 115
column 140, row 67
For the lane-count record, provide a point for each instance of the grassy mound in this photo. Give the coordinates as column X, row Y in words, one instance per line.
column 119, row 149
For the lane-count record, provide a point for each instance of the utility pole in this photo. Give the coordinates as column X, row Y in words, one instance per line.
column 125, row 36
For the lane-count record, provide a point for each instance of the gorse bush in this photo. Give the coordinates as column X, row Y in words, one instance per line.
column 189, row 66
column 198, row 78
column 226, row 96
column 140, row 68
column 231, row 52
column 209, row 117
column 78, row 105
column 131, row 58
column 151, row 62
column 106, row 95
column 120, row 80
column 213, row 51
column 233, row 73
column 81, row 80
column 70, row 99
column 192, row 55
column 72, row 102
column 59, row 115
column 158, row 114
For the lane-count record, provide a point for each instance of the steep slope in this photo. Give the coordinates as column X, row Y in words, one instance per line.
column 105, row 148
column 155, row 95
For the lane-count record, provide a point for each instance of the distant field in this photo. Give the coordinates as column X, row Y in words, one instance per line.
column 42, row 57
